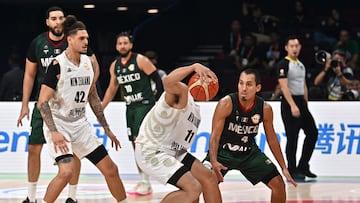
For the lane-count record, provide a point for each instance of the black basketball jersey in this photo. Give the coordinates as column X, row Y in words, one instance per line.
column 134, row 83
column 241, row 127
column 43, row 51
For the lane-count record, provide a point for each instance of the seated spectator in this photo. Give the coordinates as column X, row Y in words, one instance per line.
column 299, row 22
column 350, row 47
column 12, row 82
column 260, row 24
column 153, row 57
column 331, row 83
column 353, row 91
column 272, row 54
column 233, row 41
column 330, row 27
column 248, row 56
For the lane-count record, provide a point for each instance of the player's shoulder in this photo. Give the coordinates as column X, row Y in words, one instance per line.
column 42, row 35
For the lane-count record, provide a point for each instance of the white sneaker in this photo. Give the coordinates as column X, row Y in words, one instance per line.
column 142, row 188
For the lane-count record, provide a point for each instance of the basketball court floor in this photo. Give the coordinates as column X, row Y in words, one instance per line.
column 92, row 189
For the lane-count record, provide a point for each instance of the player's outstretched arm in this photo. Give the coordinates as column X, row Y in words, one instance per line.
column 274, row 143
column 98, row 110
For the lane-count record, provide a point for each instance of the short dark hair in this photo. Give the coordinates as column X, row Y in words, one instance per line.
column 291, row 37
column 125, row 34
column 51, row 9
column 72, row 25
column 254, row 72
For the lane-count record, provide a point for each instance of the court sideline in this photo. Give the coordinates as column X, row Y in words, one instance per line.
column 92, row 189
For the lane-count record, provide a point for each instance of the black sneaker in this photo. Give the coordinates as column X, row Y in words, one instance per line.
column 298, row 176
column 309, row 174
column 69, row 200
column 28, row 201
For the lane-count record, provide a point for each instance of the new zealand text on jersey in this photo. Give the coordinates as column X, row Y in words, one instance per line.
column 243, row 130
column 79, row 81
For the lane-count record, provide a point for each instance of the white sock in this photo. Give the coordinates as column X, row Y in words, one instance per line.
column 32, row 191
column 72, row 191
column 123, row 201
column 43, row 201
column 144, row 177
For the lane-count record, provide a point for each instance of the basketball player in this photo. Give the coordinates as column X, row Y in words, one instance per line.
column 236, row 122
column 67, row 88
column 133, row 72
column 41, row 52
column 166, row 133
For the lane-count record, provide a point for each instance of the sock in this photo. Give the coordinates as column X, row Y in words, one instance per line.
column 32, row 191
column 123, row 201
column 72, row 191
column 43, row 201
column 144, row 177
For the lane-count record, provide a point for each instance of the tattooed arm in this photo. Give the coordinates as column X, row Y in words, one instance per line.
column 95, row 104
column 58, row 139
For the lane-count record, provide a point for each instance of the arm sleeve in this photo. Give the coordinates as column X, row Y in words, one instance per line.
column 89, row 52
column 50, row 78
column 159, row 86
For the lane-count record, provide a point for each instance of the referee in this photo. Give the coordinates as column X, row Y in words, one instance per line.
column 294, row 110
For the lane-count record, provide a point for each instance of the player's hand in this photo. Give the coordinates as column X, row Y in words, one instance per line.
column 60, row 142
column 288, row 177
column 205, row 73
column 114, row 141
column 217, row 167
column 295, row 111
column 24, row 112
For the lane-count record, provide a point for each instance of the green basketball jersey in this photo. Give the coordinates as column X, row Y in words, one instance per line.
column 45, row 51
column 241, row 127
column 134, row 83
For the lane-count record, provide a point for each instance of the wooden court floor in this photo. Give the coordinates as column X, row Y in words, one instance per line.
column 235, row 189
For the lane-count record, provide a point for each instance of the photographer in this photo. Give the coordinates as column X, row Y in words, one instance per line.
column 331, row 82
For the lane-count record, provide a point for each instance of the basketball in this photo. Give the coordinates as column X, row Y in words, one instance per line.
column 202, row 90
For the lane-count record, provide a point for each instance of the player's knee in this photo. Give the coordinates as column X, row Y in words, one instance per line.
column 195, row 192
column 111, row 171
column 65, row 174
column 278, row 185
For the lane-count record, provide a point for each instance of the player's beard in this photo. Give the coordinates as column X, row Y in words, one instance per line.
column 56, row 33
column 124, row 55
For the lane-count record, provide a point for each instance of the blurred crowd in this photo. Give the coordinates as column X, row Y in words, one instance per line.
column 256, row 40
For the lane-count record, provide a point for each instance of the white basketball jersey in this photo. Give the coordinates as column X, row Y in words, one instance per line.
column 170, row 129
column 71, row 97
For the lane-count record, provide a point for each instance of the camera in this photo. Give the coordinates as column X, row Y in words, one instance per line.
column 351, row 95
column 322, row 56
column 334, row 63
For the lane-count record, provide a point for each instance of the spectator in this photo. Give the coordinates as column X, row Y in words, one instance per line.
column 260, row 24
column 248, row 56
column 299, row 21
column 353, row 91
column 233, row 41
column 330, row 27
column 331, row 83
column 153, row 57
column 273, row 53
column 350, row 47
column 12, row 81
